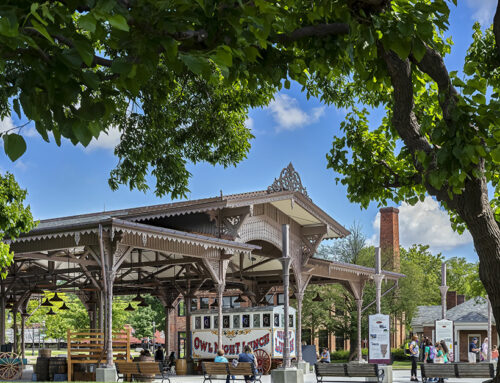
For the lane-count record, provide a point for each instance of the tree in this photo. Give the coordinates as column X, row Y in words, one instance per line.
column 15, row 218
column 347, row 249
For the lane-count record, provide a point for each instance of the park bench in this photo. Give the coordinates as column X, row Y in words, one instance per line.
column 350, row 370
column 457, row 370
column 220, row 371
column 128, row 371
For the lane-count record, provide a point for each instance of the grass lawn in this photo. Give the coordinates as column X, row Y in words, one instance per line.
column 396, row 365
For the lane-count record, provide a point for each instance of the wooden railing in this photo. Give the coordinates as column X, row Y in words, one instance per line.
column 88, row 347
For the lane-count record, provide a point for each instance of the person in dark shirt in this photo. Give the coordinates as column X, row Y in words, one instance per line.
column 247, row 356
column 159, row 355
column 473, row 350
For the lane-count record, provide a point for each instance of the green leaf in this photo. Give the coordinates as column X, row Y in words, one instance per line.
column 170, row 46
column 223, row 56
column 121, row 66
column 40, row 28
column 17, row 107
column 87, row 22
column 9, row 25
column 119, row 22
column 34, row 7
column 418, row 49
column 85, row 50
column 400, row 47
column 495, row 155
column 196, row 64
column 479, row 99
column 14, row 145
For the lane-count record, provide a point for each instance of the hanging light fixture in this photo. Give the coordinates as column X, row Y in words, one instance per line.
column 138, row 298
column 64, row 307
column 56, row 298
column 129, row 307
column 215, row 303
column 240, row 299
column 51, row 312
column 317, row 298
column 47, row 303
column 9, row 306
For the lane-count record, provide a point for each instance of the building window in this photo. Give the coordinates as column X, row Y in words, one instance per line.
column 181, row 344
column 290, row 320
column 236, row 321
column 266, row 321
column 197, row 323
column 204, row 303
column 306, row 336
column 194, row 303
column 181, row 308
column 281, row 299
column 339, row 342
column 245, row 321
column 323, row 338
column 256, row 320
column 229, row 302
column 206, row 322
column 270, row 299
column 225, row 321
column 276, row 320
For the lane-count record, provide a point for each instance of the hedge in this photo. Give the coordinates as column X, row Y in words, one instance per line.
column 397, row 354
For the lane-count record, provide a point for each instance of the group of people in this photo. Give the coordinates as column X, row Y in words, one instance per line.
column 481, row 353
column 246, row 356
column 427, row 352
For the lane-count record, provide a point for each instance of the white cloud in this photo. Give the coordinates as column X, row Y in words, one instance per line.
column 483, row 11
column 106, row 140
column 427, row 224
column 249, row 123
column 288, row 114
column 6, row 124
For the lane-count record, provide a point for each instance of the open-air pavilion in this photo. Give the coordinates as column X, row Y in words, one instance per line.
column 174, row 250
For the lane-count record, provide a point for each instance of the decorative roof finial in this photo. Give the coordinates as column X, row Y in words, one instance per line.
column 289, row 180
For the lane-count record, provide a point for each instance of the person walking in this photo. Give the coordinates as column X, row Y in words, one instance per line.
column 414, row 355
column 484, row 350
column 473, row 350
column 159, row 355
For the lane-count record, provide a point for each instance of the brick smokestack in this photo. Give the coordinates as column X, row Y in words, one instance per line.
column 451, row 299
column 460, row 299
column 389, row 238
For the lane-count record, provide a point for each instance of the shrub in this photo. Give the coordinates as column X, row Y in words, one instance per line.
column 398, row 354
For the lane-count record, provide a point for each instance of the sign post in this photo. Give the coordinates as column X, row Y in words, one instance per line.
column 379, row 340
column 444, row 331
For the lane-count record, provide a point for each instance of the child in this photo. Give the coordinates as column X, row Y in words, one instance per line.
column 494, row 353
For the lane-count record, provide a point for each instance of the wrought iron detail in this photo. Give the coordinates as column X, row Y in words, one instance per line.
column 289, row 180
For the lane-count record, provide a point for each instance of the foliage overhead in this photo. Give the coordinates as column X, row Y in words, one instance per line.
column 15, row 218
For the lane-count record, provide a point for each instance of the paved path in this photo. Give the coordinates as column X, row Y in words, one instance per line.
column 399, row 376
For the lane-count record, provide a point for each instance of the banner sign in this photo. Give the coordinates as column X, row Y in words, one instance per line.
column 379, row 340
column 444, row 331
column 279, row 344
column 233, row 341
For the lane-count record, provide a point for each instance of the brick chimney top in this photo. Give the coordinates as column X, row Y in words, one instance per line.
column 389, row 238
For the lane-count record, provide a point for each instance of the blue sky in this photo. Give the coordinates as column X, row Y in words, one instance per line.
column 72, row 180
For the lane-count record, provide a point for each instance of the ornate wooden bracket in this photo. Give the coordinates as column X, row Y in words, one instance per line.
column 311, row 238
column 289, row 180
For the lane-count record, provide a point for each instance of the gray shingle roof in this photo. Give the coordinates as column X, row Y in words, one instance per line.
column 474, row 310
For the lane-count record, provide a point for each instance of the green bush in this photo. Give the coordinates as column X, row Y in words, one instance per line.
column 398, row 354
column 340, row 355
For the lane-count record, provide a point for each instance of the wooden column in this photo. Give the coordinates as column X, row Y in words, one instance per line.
column 298, row 330
column 24, row 316
column 220, row 294
column 359, row 304
column 167, row 309
column 14, row 328
column 2, row 317
column 286, row 279
column 187, row 302
column 109, row 321
column 101, row 311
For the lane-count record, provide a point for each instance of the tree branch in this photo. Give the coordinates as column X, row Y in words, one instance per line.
column 320, row 30
column 433, row 64
column 496, row 27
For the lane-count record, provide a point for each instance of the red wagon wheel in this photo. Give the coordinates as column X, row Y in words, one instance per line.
column 10, row 366
column 263, row 361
